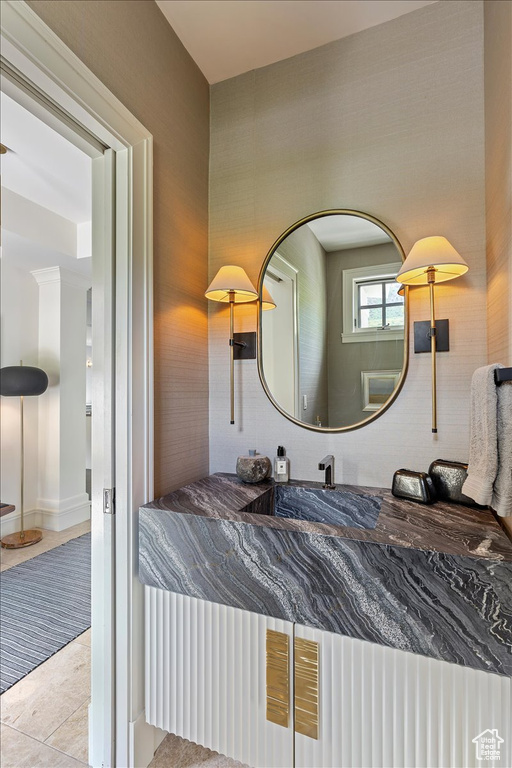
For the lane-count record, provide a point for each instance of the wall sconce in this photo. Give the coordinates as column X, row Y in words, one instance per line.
column 231, row 285
column 267, row 302
column 432, row 260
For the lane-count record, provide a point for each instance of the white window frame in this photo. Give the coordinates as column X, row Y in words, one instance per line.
column 351, row 280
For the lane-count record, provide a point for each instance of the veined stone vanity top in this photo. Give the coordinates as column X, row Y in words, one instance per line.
column 434, row 580
column 441, row 527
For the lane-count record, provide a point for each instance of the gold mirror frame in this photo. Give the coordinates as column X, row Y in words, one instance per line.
column 405, row 365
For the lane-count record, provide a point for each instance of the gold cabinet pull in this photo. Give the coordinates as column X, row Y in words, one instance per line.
column 278, row 678
column 306, row 656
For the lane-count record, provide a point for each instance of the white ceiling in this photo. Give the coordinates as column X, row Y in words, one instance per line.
column 338, row 232
column 228, row 37
column 42, row 166
column 46, row 169
column 28, row 255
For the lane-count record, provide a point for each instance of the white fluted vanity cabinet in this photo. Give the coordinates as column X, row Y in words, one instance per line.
column 206, row 677
column 214, row 675
column 380, row 707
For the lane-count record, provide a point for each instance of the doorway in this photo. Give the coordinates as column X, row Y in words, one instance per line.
column 37, row 68
column 281, row 333
column 46, row 284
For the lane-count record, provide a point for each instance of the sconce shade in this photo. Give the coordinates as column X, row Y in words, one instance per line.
column 431, row 252
column 22, row 380
column 231, row 281
column 267, row 302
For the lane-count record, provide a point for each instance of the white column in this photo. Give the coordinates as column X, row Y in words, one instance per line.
column 18, row 341
column 62, row 422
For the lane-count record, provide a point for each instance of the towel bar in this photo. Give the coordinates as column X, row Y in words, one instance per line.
column 501, row 375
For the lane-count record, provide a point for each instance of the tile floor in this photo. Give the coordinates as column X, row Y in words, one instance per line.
column 175, row 752
column 44, row 717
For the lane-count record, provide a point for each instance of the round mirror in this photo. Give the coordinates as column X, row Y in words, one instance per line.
column 332, row 351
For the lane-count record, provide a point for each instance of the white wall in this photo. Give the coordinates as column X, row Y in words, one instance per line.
column 389, row 121
column 39, row 225
column 19, row 341
column 49, row 333
column 62, row 421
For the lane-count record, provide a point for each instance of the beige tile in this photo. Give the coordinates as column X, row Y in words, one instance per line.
column 21, row 751
column 46, row 697
column 76, row 530
column 84, row 638
column 60, row 537
column 180, row 753
column 72, row 737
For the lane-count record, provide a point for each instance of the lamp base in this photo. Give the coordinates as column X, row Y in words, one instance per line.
column 18, row 540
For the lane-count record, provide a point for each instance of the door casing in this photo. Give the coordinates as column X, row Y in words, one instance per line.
column 32, row 50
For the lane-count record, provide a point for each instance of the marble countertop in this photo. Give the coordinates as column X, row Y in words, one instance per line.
column 442, row 527
column 434, row 580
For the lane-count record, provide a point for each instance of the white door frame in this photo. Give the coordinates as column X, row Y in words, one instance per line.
column 31, row 48
column 284, row 270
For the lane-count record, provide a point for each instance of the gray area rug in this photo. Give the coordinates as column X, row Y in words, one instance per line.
column 45, row 603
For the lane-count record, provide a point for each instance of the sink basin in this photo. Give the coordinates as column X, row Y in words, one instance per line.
column 319, row 505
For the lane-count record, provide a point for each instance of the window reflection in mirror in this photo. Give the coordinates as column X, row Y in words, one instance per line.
column 332, row 353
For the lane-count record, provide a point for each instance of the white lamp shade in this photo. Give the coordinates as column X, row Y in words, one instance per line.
column 267, row 302
column 431, row 252
column 231, row 280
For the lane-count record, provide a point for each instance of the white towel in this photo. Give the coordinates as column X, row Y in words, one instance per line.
column 483, row 441
column 502, row 493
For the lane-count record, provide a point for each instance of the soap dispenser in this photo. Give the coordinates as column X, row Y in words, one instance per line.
column 281, row 466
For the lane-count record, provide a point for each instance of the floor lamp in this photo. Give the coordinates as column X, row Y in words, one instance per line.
column 22, row 381
column 432, row 260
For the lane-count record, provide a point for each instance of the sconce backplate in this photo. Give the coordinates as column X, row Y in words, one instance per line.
column 422, row 336
column 247, row 352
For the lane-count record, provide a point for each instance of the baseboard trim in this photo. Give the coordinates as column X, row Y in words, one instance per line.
column 60, row 521
column 59, row 514
column 144, row 741
column 11, row 523
column 50, row 520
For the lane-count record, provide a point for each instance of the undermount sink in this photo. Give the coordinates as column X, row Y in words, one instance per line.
column 320, row 505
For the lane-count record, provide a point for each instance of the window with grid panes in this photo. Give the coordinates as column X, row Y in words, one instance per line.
column 378, row 305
